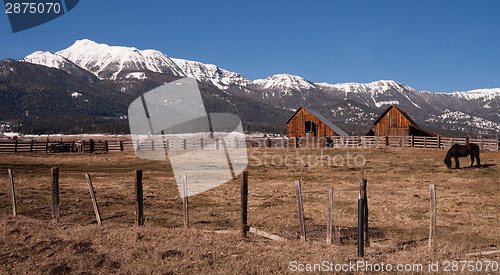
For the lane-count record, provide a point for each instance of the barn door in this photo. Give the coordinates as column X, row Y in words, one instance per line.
column 311, row 128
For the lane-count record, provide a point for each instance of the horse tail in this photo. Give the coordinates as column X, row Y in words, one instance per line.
column 476, row 151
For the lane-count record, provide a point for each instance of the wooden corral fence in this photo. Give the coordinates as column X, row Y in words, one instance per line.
column 439, row 142
column 309, row 142
column 17, row 146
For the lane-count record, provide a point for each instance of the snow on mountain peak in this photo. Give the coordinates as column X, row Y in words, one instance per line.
column 478, row 94
column 108, row 61
column 46, row 59
column 210, row 73
column 375, row 87
column 56, row 61
column 85, row 42
column 285, row 82
column 118, row 62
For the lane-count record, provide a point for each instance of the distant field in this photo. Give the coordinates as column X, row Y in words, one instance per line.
column 468, row 213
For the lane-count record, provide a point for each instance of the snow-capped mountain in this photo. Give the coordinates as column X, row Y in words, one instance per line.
column 108, row 62
column 50, row 60
column 284, row 83
column 58, row 62
column 375, row 94
column 117, row 63
column 210, row 73
column 479, row 94
column 132, row 70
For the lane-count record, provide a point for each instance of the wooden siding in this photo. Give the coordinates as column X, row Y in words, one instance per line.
column 296, row 125
column 393, row 123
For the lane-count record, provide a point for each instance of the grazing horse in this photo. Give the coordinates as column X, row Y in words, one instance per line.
column 458, row 150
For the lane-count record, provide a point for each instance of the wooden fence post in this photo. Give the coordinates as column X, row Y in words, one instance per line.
column 432, row 230
column 31, row 146
column 439, row 142
column 91, row 146
column 386, row 141
column 244, row 203
column 47, row 146
column 185, row 201
column 400, row 142
column 184, row 144
column 412, row 141
column 106, row 146
column 94, row 201
column 138, row 198
column 55, row 195
column 365, row 213
column 425, row 142
column 12, row 193
column 298, row 194
column 361, row 219
column 15, row 146
column 121, row 145
column 329, row 218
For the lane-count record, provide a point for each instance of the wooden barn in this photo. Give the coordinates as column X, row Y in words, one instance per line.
column 309, row 123
column 396, row 122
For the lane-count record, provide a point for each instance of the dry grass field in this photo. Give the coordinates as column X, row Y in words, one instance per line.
column 468, row 213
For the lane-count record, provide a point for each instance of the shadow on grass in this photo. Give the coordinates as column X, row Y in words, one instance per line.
column 478, row 166
column 112, row 217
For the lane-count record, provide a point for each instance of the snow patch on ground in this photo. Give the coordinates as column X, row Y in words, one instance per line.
column 457, row 117
column 388, row 102
column 137, row 75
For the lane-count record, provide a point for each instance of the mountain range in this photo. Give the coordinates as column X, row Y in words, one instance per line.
column 92, row 84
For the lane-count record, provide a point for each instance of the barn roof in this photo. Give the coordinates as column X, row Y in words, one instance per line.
column 399, row 110
column 322, row 119
column 412, row 122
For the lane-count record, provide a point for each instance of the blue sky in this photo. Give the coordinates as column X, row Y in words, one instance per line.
column 441, row 46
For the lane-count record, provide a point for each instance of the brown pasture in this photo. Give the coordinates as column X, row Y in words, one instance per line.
column 468, row 213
